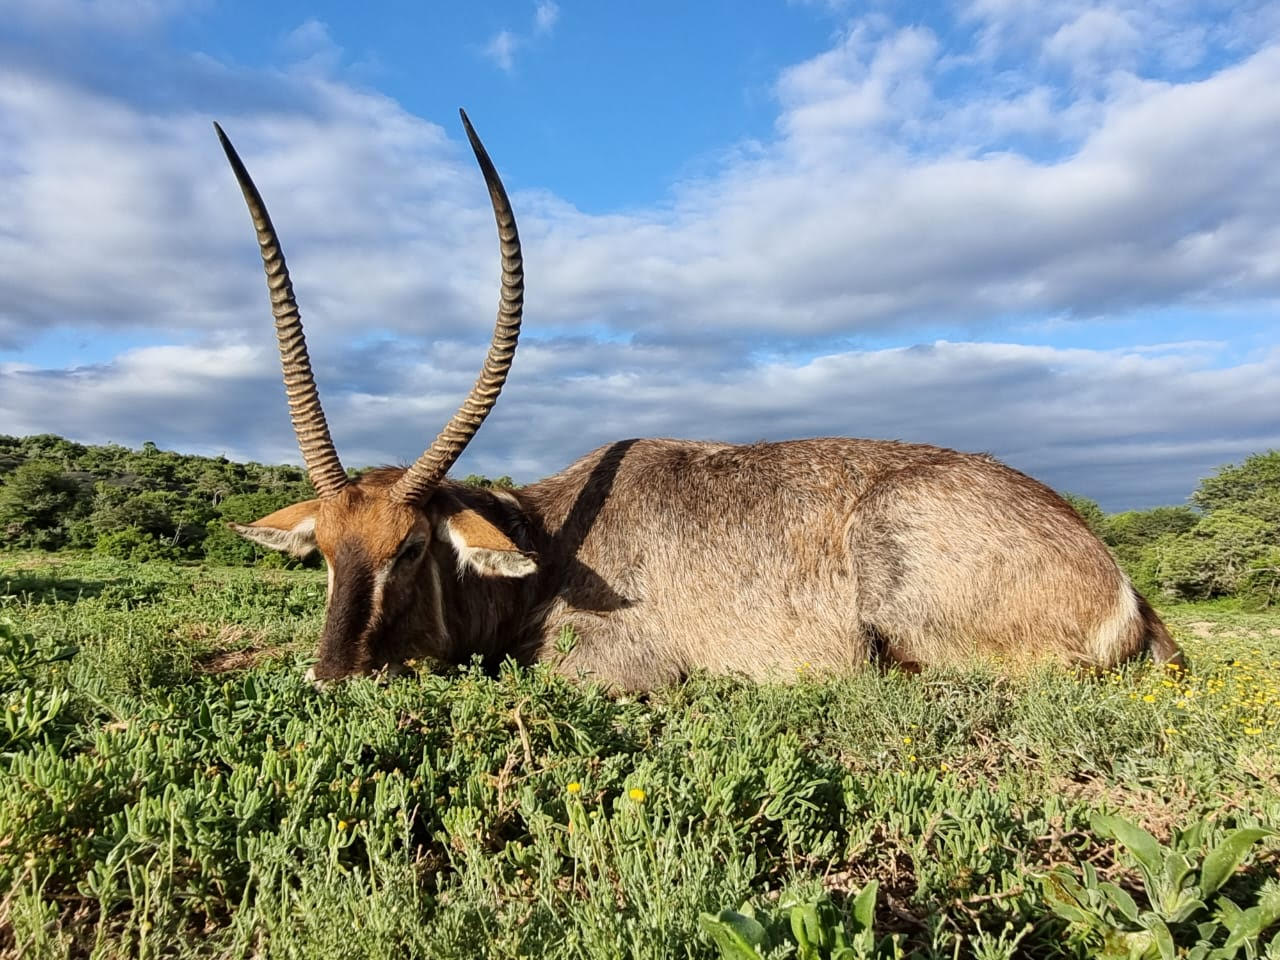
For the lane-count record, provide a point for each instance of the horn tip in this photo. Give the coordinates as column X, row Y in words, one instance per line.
column 227, row 148
column 466, row 125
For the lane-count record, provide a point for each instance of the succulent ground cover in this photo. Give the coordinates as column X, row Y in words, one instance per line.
column 171, row 787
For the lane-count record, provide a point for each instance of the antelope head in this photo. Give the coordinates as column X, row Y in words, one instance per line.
column 387, row 537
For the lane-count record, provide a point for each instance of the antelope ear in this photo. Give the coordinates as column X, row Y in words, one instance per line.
column 291, row 529
column 482, row 547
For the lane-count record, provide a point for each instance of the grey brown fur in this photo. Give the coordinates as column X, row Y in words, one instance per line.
column 773, row 560
column 661, row 557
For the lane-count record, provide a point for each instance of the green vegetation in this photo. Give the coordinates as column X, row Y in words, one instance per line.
column 170, row 787
column 1226, row 545
column 1181, row 885
column 147, row 504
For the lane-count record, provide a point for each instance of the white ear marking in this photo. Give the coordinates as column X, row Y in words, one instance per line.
column 298, row 540
column 485, row 560
column 500, row 563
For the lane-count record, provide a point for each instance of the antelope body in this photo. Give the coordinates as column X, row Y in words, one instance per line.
column 648, row 559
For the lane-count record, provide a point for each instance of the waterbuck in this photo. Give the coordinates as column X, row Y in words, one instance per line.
column 660, row 557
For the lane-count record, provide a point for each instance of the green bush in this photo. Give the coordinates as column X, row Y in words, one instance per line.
column 38, row 502
column 1142, row 564
column 58, row 494
column 134, row 544
column 1261, row 586
column 1140, row 528
column 1089, row 511
column 223, row 545
column 1215, row 558
column 36, row 711
column 814, row 929
column 1251, row 487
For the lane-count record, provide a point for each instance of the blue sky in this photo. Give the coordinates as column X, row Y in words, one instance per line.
column 1044, row 229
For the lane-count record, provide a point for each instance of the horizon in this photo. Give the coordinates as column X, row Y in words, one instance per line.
column 455, row 475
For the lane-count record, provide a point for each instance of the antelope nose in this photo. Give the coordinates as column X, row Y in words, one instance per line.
column 392, row 669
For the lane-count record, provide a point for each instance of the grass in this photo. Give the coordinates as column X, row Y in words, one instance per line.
column 174, row 789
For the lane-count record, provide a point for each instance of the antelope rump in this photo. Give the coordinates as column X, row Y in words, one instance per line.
column 654, row 558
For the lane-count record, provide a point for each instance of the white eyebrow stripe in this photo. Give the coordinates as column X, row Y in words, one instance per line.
column 380, row 577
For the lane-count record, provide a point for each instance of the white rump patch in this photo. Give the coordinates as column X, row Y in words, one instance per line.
column 1115, row 632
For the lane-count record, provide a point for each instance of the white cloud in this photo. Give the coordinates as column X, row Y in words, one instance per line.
column 120, row 219
column 545, row 15
column 505, row 44
column 115, row 216
column 1134, row 427
column 501, row 49
column 312, row 47
column 891, row 201
column 866, row 81
column 1098, row 40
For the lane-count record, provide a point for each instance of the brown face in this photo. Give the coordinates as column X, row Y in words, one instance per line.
column 377, row 533
column 385, row 577
column 374, row 549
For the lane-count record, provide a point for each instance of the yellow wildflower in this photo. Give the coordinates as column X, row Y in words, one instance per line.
column 636, row 794
column 574, row 787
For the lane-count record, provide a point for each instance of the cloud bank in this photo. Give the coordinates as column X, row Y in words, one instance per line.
column 1125, row 165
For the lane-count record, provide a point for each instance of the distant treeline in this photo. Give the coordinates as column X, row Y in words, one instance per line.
column 142, row 504
column 152, row 503
column 1226, row 543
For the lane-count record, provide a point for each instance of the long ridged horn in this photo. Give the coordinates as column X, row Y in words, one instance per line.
column 425, row 475
column 318, row 452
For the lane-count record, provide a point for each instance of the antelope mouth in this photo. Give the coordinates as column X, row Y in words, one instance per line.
column 416, row 486
column 322, row 677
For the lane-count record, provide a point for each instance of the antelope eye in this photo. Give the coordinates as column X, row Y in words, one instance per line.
column 410, row 552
